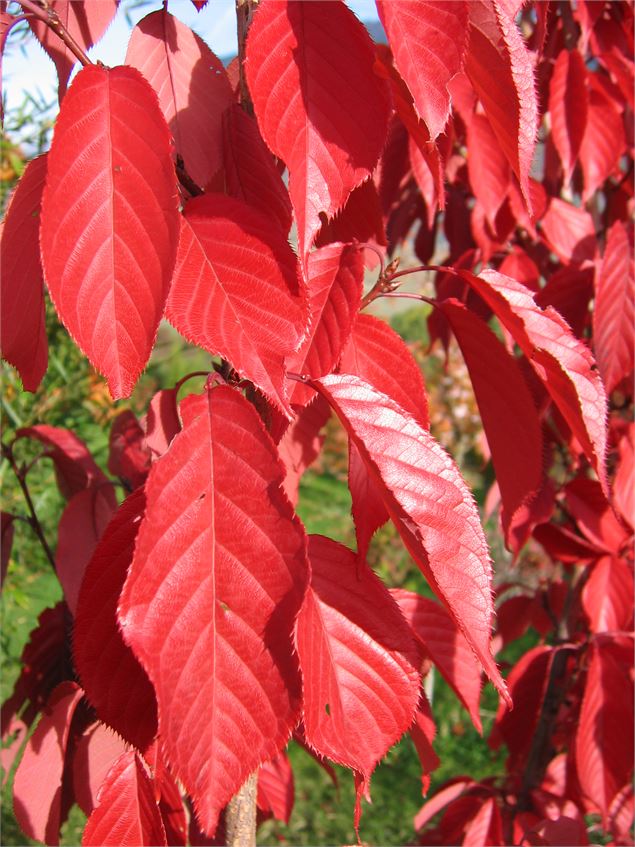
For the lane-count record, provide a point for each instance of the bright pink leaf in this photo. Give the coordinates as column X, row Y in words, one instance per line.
column 250, row 172
column 429, row 502
column 110, row 220
column 218, row 574
column 510, row 420
column 75, row 468
column 335, row 276
column 80, row 528
column 569, row 231
column 604, row 736
column 563, row 363
column 37, row 788
column 114, row 682
column 275, row 787
column 427, row 41
column 614, row 314
column 86, row 22
column 500, row 68
column 236, row 291
column 319, row 105
column 446, row 646
column 487, row 167
column 129, row 456
column 379, row 355
column 568, row 107
column 23, row 330
column 127, row 813
column 94, row 755
column 192, row 87
column 607, row 596
column 603, row 141
column 358, row 660
column 301, row 443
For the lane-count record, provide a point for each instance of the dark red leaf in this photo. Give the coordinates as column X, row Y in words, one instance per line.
column 230, row 542
column 115, row 683
column 487, row 167
column 37, row 787
column 335, row 276
column 250, row 172
column 75, row 468
column 446, row 646
column 80, row 528
column 607, row 595
column 192, row 87
column 560, row 832
column 129, row 456
column 301, row 443
column 510, row 420
column 162, row 421
column 604, row 736
column 442, row 798
column 358, row 660
column 613, row 315
column 429, row 502
column 522, row 267
column 85, row 21
column 110, row 220
column 569, row 291
column 95, row 753
column 427, row 41
column 563, row 363
column 569, row 232
column 486, row 827
column 624, row 482
column 236, row 291
column 587, row 504
column 23, row 330
column 422, row 732
column 319, row 105
column 127, row 814
column 603, row 141
column 275, row 787
column 359, row 220
column 500, row 68
column 425, row 179
column 568, row 106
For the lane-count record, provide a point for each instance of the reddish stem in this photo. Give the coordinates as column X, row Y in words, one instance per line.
column 45, row 13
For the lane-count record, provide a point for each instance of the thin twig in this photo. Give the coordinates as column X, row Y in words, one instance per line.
column 45, row 13
column 34, row 523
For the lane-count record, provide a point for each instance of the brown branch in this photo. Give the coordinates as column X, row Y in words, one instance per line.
column 240, row 817
column 45, row 13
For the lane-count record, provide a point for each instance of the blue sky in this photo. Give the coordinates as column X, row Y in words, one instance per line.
column 28, row 68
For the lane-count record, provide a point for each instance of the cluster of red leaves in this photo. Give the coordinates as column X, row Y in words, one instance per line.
column 206, row 628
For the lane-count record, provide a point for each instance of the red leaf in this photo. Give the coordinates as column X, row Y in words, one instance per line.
column 232, row 545
column 319, row 105
column 487, row 166
column 429, row 502
column 115, row 683
column 500, row 68
column 442, row 798
column 192, row 87
column 603, row 141
column 378, row 355
column 422, row 732
column 446, row 646
column 80, row 528
column 624, row 482
column 335, row 276
column 301, row 443
column 587, row 504
column 250, row 172
column 86, row 22
column 569, row 232
column 360, row 220
column 162, row 421
column 569, row 291
column 521, row 267
column 236, row 292
column 485, row 827
column 127, row 813
column 129, row 456
column 510, row 420
column 75, row 468
column 607, row 596
column 95, row 753
column 110, row 220
column 358, row 660
column 563, row 363
column 23, row 330
column 426, row 181
column 37, row 788
column 604, row 737
column 568, row 107
column 275, row 788
column 427, row 41
column 613, row 315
